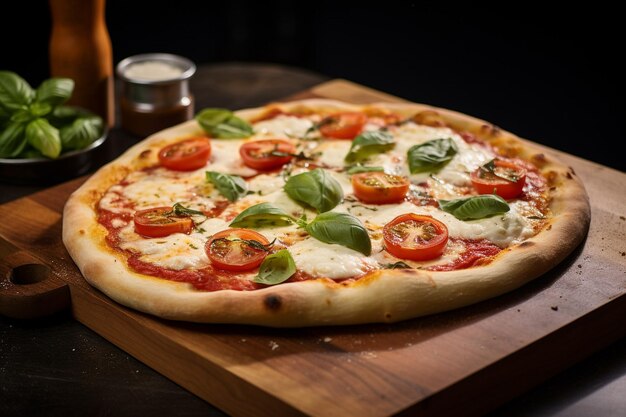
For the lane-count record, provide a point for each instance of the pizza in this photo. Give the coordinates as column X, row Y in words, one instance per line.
column 319, row 212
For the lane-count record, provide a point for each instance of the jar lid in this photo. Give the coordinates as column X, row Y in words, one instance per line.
column 155, row 69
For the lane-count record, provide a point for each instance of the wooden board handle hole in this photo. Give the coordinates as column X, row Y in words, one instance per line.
column 29, row 274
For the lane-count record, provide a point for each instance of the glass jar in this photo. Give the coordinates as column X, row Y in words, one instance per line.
column 155, row 92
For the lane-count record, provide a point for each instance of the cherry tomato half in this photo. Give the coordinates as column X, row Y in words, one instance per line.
column 415, row 237
column 504, row 178
column 156, row 222
column 266, row 154
column 234, row 249
column 186, row 155
column 345, row 125
column 379, row 188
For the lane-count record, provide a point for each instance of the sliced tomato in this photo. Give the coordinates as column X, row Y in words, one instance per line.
column 379, row 188
column 235, row 250
column 267, row 154
column 186, row 155
column 160, row 222
column 415, row 237
column 345, row 125
column 503, row 178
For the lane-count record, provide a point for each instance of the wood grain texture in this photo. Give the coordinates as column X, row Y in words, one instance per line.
column 461, row 362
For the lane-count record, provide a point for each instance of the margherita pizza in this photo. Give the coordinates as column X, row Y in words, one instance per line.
column 318, row 212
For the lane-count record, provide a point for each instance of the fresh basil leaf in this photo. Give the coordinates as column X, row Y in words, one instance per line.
column 81, row 133
column 223, row 124
column 63, row 115
column 15, row 92
column 357, row 169
column 44, row 137
column 232, row 187
column 342, row 229
column 22, row 116
column 476, row 207
column 369, row 143
column 431, row 155
column 54, row 91
column 37, row 109
column 276, row 268
column 12, row 140
column 262, row 215
column 316, row 188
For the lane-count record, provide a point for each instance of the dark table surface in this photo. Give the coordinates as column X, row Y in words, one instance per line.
column 57, row 366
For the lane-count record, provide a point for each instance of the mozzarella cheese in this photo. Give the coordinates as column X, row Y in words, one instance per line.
column 321, row 259
column 283, row 126
column 162, row 187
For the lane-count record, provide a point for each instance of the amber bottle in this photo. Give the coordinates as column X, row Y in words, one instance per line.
column 80, row 48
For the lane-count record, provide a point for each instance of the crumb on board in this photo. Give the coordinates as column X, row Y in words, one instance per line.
column 328, row 339
column 622, row 217
column 273, row 345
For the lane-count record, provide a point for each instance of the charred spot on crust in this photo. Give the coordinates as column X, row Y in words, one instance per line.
column 387, row 316
column 552, row 177
column 526, row 244
column 273, row 302
column 539, row 160
column 145, row 154
column 491, row 130
column 569, row 176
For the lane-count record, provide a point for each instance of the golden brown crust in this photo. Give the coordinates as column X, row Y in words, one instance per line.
column 385, row 296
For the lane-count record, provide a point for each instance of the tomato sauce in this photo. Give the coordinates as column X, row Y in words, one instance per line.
column 203, row 279
column 477, row 252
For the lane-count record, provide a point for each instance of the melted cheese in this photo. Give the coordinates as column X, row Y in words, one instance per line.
column 283, row 127
column 320, row 259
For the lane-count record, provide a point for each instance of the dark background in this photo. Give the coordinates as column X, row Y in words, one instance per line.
column 550, row 75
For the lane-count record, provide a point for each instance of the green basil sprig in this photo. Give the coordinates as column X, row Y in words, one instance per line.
column 15, row 92
column 476, row 207
column 44, row 137
column 29, row 122
column 262, row 215
column 223, row 124
column 12, row 140
column 357, row 169
column 431, row 156
column 276, row 268
column 316, row 188
column 342, row 229
column 369, row 143
column 232, row 187
column 81, row 132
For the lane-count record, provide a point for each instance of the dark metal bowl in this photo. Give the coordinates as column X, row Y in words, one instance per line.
column 43, row 170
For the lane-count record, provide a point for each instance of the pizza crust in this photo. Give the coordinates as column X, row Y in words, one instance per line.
column 384, row 296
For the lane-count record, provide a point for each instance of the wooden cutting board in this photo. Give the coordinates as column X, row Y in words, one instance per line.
column 466, row 361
